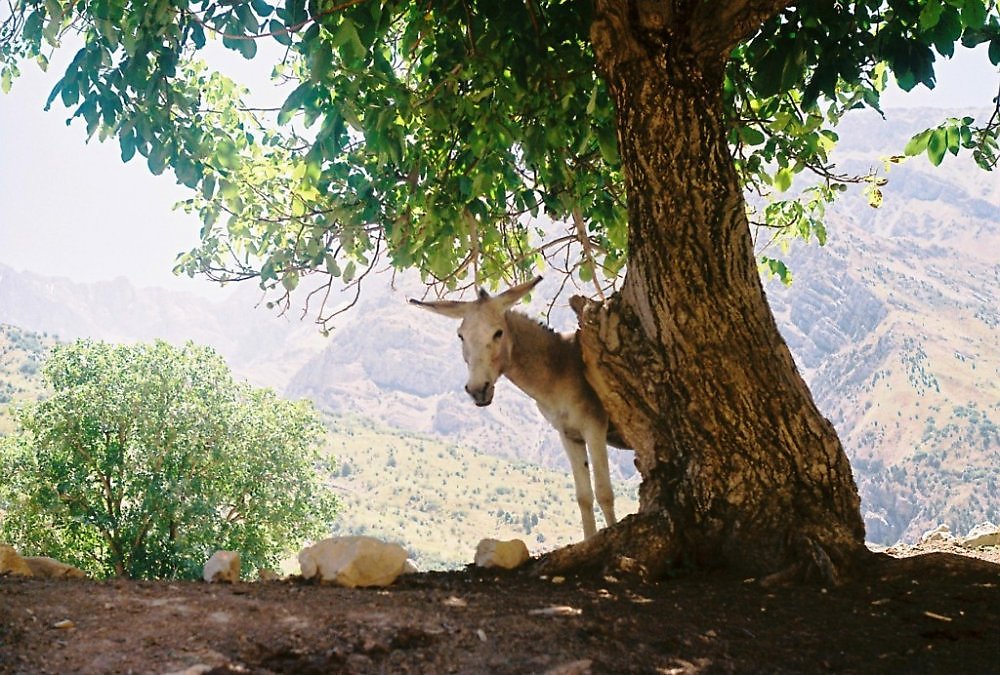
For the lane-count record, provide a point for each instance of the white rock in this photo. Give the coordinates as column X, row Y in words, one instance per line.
column 223, row 566
column 50, row 568
column 940, row 533
column 353, row 561
column 984, row 534
column 505, row 554
column 12, row 563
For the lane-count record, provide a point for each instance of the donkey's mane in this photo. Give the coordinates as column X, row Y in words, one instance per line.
column 525, row 320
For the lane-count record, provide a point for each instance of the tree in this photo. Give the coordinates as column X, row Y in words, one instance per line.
column 147, row 458
column 435, row 132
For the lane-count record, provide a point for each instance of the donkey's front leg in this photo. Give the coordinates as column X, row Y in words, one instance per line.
column 577, row 453
column 597, row 441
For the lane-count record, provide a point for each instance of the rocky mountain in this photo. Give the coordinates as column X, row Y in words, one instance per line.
column 260, row 347
column 894, row 323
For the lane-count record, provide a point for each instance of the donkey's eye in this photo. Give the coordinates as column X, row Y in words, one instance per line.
column 498, row 334
column 461, row 338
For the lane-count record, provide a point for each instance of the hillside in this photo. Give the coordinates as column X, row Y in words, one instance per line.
column 21, row 355
column 439, row 499
column 895, row 325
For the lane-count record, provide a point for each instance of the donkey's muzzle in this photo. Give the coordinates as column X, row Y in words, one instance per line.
column 482, row 396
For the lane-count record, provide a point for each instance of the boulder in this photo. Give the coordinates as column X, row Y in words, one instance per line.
column 940, row 533
column 50, row 568
column 505, row 554
column 353, row 561
column 223, row 566
column 12, row 563
column 984, row 534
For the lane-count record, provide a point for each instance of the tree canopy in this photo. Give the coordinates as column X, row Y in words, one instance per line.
column 145, row 459
column 444, row 136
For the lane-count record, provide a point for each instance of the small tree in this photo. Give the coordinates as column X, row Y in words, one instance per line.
column 146, row 458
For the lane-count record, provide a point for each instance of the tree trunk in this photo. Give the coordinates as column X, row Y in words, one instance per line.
column 739, row 467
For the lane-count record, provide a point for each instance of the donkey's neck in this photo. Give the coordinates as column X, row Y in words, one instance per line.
column 537, row 356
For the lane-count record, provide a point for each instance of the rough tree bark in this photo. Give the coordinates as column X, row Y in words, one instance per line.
column 739, row 467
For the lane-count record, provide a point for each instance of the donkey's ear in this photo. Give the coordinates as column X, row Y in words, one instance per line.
column 512, row 295
column 450, row 308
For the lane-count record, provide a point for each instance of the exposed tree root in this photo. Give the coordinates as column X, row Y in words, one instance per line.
column 641, row 545
column 647, row 546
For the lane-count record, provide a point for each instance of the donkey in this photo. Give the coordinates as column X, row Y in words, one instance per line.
column 548, row 367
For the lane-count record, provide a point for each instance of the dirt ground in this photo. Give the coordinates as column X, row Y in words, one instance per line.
column 932, row 613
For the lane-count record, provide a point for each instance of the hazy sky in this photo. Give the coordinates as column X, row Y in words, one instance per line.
column 74, row 209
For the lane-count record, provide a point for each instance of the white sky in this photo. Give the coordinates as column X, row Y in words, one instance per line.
column 72, row 209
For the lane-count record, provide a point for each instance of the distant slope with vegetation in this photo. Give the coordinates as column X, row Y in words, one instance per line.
column 21, row 355
column 438, row 499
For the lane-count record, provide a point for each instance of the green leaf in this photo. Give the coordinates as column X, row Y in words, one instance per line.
column 56, row 90
column 918, row 143
column 127, row 143
column 248, row 48
column 267, row 272
column 779, row 69
column 954, row 139
column 783, row 179
column 350, row 269
column 947, row 31
column 294, row 102
column 248, row 20
column 973, row 13
column 32, row 28
column 929, row 14
column 752, row 135
column 279, row 32
column 208, row 186
column 937, row 145
column 332, row 268
column 994, row 51
column 775, row 267
column 348, row 42
column 607, row 141
column 188, row 173
column 197, row 35
column 262, row 8
column 158, row 156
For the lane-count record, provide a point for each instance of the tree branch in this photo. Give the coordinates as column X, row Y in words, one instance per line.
column 717, row 27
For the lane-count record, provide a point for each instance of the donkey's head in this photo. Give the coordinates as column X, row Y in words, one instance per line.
column 486, row 344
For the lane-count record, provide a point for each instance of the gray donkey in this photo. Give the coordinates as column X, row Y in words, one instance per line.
column 548, row 367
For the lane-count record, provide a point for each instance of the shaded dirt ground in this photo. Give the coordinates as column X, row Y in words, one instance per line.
column 933, row 613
